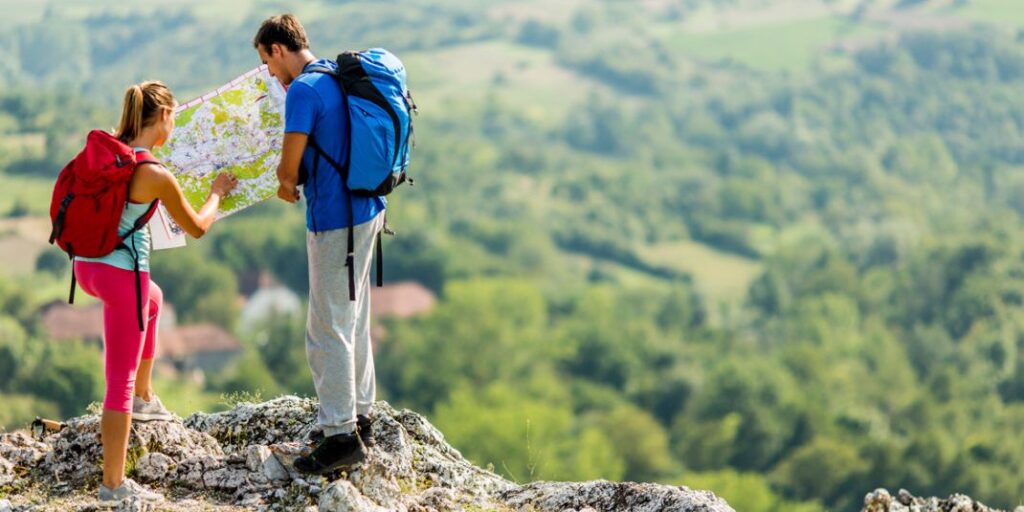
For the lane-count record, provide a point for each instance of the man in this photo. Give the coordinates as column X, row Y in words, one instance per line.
column 337, row 329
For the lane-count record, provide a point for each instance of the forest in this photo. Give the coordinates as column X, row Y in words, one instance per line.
column 780, row 260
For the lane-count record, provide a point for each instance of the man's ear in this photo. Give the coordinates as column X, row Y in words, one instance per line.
column 276, row 50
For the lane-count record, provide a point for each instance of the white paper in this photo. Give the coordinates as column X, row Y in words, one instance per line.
column 164, row 232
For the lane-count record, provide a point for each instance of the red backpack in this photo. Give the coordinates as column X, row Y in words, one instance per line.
column 89, row 198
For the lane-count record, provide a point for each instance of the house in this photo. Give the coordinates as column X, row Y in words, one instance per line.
column 268, row 301
column 204, row 347
column 402, row 300
column 62, row 322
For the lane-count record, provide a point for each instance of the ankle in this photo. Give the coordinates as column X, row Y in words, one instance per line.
column 147, row 396
column 107, row 484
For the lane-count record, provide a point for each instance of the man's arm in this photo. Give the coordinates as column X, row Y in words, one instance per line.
column 288, row 169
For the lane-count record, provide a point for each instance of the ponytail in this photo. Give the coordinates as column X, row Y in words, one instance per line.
column 131, row 114
column 142, row 102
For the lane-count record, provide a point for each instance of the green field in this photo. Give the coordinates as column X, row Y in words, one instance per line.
column 30, row 144
column 464, row 77
column 1004, row 12
column 183, row 397
column 786, row 45
column 32, row 193
column 22, row 11
column 720, row 277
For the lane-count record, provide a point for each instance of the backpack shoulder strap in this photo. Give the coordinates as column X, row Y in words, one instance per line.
column 318, row 68
column 145, row 157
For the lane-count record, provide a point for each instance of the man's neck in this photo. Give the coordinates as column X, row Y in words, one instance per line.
column 299, row 61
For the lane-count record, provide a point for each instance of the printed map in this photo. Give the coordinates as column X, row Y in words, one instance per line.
column 236, row 128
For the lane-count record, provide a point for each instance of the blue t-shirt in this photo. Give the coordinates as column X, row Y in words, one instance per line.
column 314, row 106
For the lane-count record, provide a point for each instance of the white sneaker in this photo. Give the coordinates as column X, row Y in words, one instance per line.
column 128, row 489
column 152, row 410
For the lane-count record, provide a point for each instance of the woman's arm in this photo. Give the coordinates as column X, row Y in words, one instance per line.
column 168, row 190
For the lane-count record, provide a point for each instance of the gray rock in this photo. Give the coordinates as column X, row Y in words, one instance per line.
column 76, row 451
column 154, row 467
column 5, row 506
column 245, row 457
column 7, row 474
column 273, row 470
column 877, row 501
column 285, row 454
column 342, row 496
column 880, row 500
column 19, row 453
column 255, row 456
column 282, row 420
column 603, row 495
column 228, row 479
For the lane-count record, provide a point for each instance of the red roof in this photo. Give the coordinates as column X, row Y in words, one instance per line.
column 193, row 339
column 63, row 321
column 403, row 300
column 66, row 322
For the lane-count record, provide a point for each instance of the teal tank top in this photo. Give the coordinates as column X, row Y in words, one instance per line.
column 138, row 243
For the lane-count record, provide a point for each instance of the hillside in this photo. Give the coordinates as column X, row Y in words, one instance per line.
column 768, row 248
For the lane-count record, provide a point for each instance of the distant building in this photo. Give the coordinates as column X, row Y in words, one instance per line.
column 267, row 301
column 62, row 322
column 204, row 347
column 402, row 300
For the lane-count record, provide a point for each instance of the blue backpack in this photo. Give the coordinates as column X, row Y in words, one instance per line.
column 379, row 107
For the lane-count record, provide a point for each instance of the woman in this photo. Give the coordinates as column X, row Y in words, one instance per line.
column 146, row 122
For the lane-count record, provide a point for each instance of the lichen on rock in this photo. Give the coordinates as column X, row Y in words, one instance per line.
column 880, row 500
column 241, row 459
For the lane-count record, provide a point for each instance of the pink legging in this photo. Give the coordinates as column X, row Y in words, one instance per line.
column 123, row 344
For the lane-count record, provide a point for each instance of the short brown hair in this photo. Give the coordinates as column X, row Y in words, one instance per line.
column 283, row 29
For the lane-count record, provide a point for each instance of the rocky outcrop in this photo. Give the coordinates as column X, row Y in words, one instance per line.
column 242, row 459
column 881, row 501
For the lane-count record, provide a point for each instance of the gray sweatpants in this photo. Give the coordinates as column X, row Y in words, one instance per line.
column 338, row 345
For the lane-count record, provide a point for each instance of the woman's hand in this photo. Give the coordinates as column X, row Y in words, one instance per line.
column 224, row 184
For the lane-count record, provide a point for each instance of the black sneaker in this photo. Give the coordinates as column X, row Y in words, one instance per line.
column 334, row 452
column 315, row 436
column 364, row 425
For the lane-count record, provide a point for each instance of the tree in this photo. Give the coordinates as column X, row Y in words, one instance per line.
column 52, row 261
column 525, row 438
column 200, row 289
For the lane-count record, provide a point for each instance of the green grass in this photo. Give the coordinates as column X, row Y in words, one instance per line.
column 464, row 77
column 787, row 45
column 1006, row 12
column 719, row 276
column 28, row 11
column 31, row 192
column 541, row 10
column 184, row 398
column 32, row 144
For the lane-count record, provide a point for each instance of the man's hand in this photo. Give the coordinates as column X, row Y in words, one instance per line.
column 288, row 193
column 288, row 168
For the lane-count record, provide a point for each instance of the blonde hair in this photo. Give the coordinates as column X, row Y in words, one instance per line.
column 142, row 104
